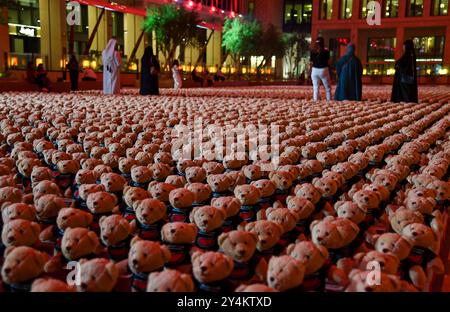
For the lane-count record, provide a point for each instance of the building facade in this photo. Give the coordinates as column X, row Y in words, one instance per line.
column 427, row 22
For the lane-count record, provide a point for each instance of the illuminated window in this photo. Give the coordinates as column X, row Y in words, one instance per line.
column 415, row 8
column 297, row 11
column 251, row 8
column 439, row 7
column 429, row 53
column 380, row 56
column 391, row 8
column 326, row 9
column 363, row 12
column 346, row 9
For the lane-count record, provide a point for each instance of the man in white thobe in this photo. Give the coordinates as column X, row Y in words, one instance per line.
column 111, row 68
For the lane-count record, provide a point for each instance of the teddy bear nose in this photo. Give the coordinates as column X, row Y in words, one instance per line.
column 135, row 261
column 104, row 237
column 205, row 222
column 83, row 286
column 64, row 218
column 172, row 231
column 241, row 252
column 263, row 241
column 272, row 279
column 203, row 268
column 415, row 233
column 10, row 239
column 385, row 250
column 7, row 270
column 68, row 248
column 320, row 238
column 368, row 288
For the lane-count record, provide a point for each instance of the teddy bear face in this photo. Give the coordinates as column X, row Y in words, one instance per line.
column 72, row 218
column 39, row 174
column 181, row 198
column 160, row 171
column 20, row 233
column 48, row 207
column 388, row 263
column 266, row 187
column 68, row 166
column 132, row 195
column 300, row 206
column 101, row 202
column 126, row 164
column 85, row 176
column 268, row 233
column 86, row 189
column 179, row 233
column 113, row 182
column 422, row 204
column 146, row 256
column 314, row 165
column 327, row 158
column 247, row 194
column 50, row 285
column 114, row 229
column 366, row 199
column 312, row 256
column 381, row 190
column 90, row 163
column 421, row 236
column 360, row 160
column 25, row 166
column 284, row 273
column 421, row 180
column 252, row 172
column 282, row 179
column 393, row 243
column 149, row 211
column 219, row 183
column 326, row 186
column 442, row 189
column 239, row 245
column 333, row 233
column 350, row 210
column 211, row 266
column 98, row 275
column 141, row 174
column 207, row 218
column 229, row 204
column 78, row 242
column 389, row 181
column 18, row 211
column 176, row 180
column 213, row 167
column 43, row 188
column 309, row 192
column 282, row 216
column 22, row 264
column 170, row 281
column 10, row 194
column 195, row 174
column 202, row 192
column 161, row 191
column 360, row 281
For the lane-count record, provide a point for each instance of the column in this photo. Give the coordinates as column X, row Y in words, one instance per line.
column 104, row 30
column 446, row 60
column 133, row 25
column 336, row 10
column 427, row 8
column 214, row 48
column 53, row 32
column 400, row 35
column 4, row 37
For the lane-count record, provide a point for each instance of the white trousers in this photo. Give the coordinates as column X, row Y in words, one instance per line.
column 321, row 74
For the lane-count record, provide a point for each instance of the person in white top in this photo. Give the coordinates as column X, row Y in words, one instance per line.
column 177, row 81
column 111, row 68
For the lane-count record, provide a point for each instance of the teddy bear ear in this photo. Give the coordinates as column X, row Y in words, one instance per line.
column 247, row 227
column 36, row 228
column 101, row 220
column 290, row 248
column 313, row 224
column 222, row 237
column 187, row 281
column 135, row 240
column 338, row 204
column 8, row 250
column 93, row 237
column 192, row 214
column 165, row 252
column 197, row 253
column 125, row 225
column 126, row 188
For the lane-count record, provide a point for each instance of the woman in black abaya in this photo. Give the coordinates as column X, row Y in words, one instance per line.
column 149, row 73
column 404, row 88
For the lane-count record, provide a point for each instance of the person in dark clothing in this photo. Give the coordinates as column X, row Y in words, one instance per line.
column 197, row 78
column 74, row 71
column 42, row 79
column 320, row 58
column 31, row 73
column 349, row 70
column 149, row 74
column 404, row 88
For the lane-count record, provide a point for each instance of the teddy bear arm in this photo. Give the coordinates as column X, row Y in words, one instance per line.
column 261, row 269
column 418, row 277
column 47, row 235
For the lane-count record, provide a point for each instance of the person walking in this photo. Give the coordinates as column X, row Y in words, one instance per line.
column 177, row 82
column 404, row 88
column 74, row 71
column 149, row 73
column 319, row 59
column 349, row 71
column 111, row 68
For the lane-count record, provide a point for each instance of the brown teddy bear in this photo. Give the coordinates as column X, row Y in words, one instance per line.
column 220, row 185
column 83, row 191
column 232, row 206
column 132, row 195
column 170, row 281
column 125, row 166
column 115, row 235
column 45, row 188
column 401, row 217
column 209, row 221
column 176, row 180
column 248, row 196
column 10, row 195
column 268, row 234
column 195, row 174
column 20, row 232
column 101, row 204
column 141, row 177
column 114, row 183
column 47, row 209
column 285, row 273
column 202, row 193
column 67, row 170
column 211, row 271
column 50, row 285
column 181, row 201
column 267, row 189
column 241, row 247
column 98, row 275
column 252, row 173
column 179, row 237
column 18, row 211
column 303, row 209
column 287, row 220
column 283, row 181
column 320, row 273
column 360, row 282
column 255, row 288
column 40, row 174
column 144, row 258
column 83, row 176
column 21, row 266
column 161, row 190
column 150, row 217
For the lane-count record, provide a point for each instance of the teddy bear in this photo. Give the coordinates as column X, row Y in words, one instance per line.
column 350, row 210
column 84, row 191
column 248, row 196
column 18, row 211
column 97, row 275
column 363, row 281
column 267, row 189
column 20, row 232
column 125, row 166
column 161, row 191
column 47, row 209
column 170, row 281
column 21, row 266
column 179, row 237
column 202, row 193
column 176, row 180
column 254, row 288
column 209, row 221
column 131, row 195
column 401, row 217
column 338, row 235
column 425, row 206
column 442, row 196
column 10, row 195
column 140, row 177
column 369, row 201
column 241, row 247
column 213, row 167
column 160, row 171
column 50, row 285
column 25, row 168
column 44, row 188
column 40, row 174
column 100, row 204
column 303, row 210
column 195, row 174
column 220, row 184
column 211, row 271
column 309, row 192
column 181, row 201
column 320, row 273
column 287, row 220
column 150, row 217
column 231, row 205
column 252, row 173
column 285, row 273
column 115, row 235
column 283, row 181
column 115, row 184
column 144, row 258
column 67, row 169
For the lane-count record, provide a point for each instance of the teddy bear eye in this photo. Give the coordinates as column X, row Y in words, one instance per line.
column 145, row 255
column 17, row 261
column 93, row 277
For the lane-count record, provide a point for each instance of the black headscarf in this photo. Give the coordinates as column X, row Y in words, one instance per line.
column 147, row 58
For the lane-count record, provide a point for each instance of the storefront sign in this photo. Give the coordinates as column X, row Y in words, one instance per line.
column 30, row 32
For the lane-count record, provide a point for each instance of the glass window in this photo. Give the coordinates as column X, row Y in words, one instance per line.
column 346, row 9
column 380, row 56
column 363, row 12
column 326, row 9
column 390, row 8
column 439, row 7
column 297, row 11
column 251, row 8
column 414, row 8
column 429, row 53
